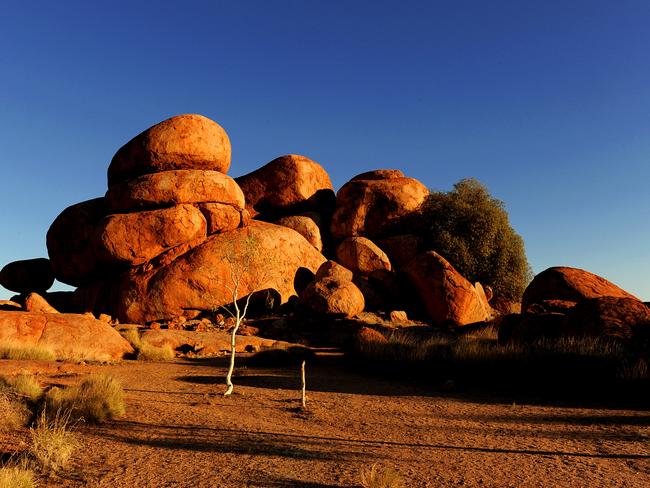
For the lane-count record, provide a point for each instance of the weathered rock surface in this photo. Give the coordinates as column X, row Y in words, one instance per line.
column 36, row 303
column 400, row 249
column 287, row 185
column 332, row 297
column 67, row 335
column 331, row 269
column 447, row 295
column 183, row 142
column 10, row 306
column 27, row 275
column 609, row 317
column 377, row 205
column 305, row 225
column 208, row 343
column 361, row 255
column 137, row 237
column 266, row 256
column 221, row 217
column 70, row 242
column 569, row 284
column 173, row 188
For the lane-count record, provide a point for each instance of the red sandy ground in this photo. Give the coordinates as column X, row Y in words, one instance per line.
column 178, row 431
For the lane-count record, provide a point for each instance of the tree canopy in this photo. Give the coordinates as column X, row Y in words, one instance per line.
column 471, row 229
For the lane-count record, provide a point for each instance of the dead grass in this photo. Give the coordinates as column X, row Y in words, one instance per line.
column 22, row 384
column 375, row 477
column 145, row 351
column 20, row 352
column 17, row 477
column 96, row 399
column 52, row 442
column 14, row 414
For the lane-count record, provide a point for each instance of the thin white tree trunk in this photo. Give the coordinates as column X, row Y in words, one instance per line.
column 304, row 386
column 232, row 356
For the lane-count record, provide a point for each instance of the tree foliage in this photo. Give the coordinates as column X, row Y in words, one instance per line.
column 471, row 229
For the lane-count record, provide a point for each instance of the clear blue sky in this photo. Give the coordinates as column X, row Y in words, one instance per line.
column 546, row 102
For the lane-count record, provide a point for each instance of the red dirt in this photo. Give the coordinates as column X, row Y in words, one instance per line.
column 179, row 431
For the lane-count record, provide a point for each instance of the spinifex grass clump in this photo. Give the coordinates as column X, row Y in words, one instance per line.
column 14, row 414
column 23, row 384
column 375, row 477
column 52, row 442
column 95, row 399
column 17, row 477
column 21, row 352
column 145, row 351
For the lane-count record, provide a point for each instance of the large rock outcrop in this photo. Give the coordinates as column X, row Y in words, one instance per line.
column 569, row 285
column 288, row 185
column 608, row 317
column 27, row 275
column 67, row 335
column 262, row 255
column 361, row 255
column 70, row 242
column 332, row 293
column 377, row 204
column 447, row 296
column 183, row 142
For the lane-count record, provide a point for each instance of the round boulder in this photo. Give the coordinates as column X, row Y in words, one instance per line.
column 70, row 242
column 361, row 255
column 183, row 142
column 569, row 285
column 286, row 186
column 331, row 269
column 332, row 297
column 27, row 275
column 610, row 317
column 377, row 204
column 137, row 237
column 306, row 226
column 174, row 188
column 221, row 217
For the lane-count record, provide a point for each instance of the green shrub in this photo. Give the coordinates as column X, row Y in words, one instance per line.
column 471, row 229
column 95, row 399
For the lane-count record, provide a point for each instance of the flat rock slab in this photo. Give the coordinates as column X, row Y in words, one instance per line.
column 68, row 335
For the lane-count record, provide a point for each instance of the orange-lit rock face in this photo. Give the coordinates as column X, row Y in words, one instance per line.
column 446, row 295
column 361, row 255
column 329, row 296
column 615, row 317
column 27, row 275
column 36, row 303
column 264, row 256
column 331, row 269
column 182, row 142
column 288, row 184
column 70, row 242
column 173, row 188
column 306, row 226
column 68, row 335
column 137, row 237
column 221, row 217
column 569, row 284
column 371, row 207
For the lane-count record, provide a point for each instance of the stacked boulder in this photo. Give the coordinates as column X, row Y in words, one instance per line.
column 163, row 240
column 564, row 301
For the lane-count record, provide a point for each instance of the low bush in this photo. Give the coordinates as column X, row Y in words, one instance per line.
column 95, row 399
column 14, row 414
column 145, row 351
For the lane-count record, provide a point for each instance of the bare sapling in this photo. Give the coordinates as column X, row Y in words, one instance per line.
column 238, row 266
column 304, row 385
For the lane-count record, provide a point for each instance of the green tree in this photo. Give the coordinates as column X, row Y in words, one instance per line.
column 471, row 229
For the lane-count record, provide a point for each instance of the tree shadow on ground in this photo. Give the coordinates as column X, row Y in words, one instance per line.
column 223, row 440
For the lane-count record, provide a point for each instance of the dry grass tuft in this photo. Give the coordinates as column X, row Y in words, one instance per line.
column 14, row 414
column 20, row 352
column 374, row 477
column 95, row 399
column 16, row 477
column 146, row 351
column 22, row 384
column 52, row 443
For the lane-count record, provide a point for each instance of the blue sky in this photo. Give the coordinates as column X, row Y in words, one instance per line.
column 547, row 103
